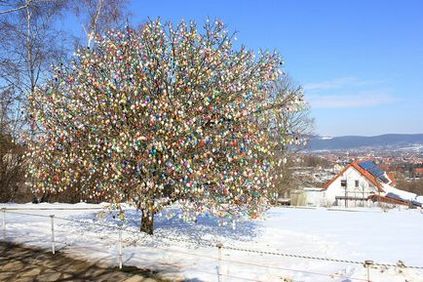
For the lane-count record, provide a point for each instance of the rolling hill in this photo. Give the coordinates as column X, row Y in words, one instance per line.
column 392, row 141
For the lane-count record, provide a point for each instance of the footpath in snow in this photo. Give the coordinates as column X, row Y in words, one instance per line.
column 184, row 251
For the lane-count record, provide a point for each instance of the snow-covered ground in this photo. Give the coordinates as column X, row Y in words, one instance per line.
column 181, row 250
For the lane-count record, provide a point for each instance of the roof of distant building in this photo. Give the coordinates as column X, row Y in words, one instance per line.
column 368, row 169
column 419, row 170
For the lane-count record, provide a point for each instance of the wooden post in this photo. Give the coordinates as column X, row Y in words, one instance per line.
column 219, row 262
column 346, row 195
column 120, row 248
column 53, row 247
column 344, row 183
column 367, row 264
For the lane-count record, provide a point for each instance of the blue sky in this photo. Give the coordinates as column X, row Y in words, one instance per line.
column 360, row 62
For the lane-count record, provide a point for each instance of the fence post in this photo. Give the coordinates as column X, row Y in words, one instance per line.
column 219, row 262
column 53, row 247
column 120, row 248
column 4, row 223
column 367, row 264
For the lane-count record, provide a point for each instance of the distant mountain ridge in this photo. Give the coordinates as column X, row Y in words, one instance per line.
column 356, row 142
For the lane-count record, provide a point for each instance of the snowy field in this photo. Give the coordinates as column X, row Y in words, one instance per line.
column 181, row 251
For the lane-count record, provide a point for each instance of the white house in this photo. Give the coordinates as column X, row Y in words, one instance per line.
column 361, row 183
column 354, row 184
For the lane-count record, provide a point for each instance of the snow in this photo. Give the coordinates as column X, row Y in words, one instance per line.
column 181, row 250
column 54, row 206
column 401, row 193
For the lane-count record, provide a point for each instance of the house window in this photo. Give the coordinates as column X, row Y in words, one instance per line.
column 343, row 183
column 356, row 183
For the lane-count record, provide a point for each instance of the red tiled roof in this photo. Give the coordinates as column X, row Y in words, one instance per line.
column 419, row 170
column 361, row 170
column 392, row 176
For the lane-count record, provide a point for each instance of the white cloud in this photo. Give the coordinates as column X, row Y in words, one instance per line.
column 356, row 100
column 347, row 92
column 330, row 84
column 338, row 83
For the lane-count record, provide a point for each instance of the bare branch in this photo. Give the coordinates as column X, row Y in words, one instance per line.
column 26, row 5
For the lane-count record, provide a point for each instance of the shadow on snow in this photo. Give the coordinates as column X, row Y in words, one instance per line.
column 169, row 224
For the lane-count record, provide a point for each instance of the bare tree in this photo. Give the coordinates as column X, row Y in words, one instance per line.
column 11, row 152
column 292, row 125
column 28, row 44
column 11, row 168
column 97, row 16
column 7, row 8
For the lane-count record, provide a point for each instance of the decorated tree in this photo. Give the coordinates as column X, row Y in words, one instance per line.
column 158, row 116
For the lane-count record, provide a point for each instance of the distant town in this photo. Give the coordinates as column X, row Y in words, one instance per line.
column 312, row 170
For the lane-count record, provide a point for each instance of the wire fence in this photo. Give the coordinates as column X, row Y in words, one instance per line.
column 217, row 246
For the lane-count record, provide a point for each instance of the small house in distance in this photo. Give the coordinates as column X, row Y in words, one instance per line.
column 354, row 184
column 419, row 172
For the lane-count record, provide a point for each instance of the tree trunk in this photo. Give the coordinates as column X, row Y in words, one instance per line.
column 147, row 221
column 45, row 197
